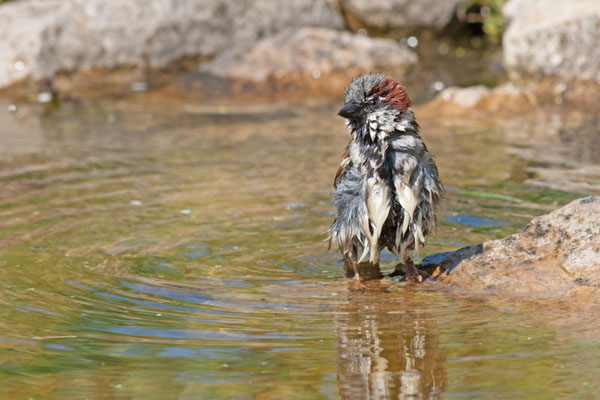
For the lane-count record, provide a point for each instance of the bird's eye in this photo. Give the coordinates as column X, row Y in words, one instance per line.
column 371, row 101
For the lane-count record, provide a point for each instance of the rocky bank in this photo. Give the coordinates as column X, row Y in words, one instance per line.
column 556, row 256
column 39, row 38
column 250, row 41
column 296, row 58
column 261, row 44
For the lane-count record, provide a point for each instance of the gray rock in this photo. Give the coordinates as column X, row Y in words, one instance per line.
column 553, row 257
column 511, row 8
column 554, row 37
column 311, row 53
column 407, row 16
column 39, row 38
column 571, row 235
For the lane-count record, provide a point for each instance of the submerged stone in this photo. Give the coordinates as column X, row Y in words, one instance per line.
column 505, row 99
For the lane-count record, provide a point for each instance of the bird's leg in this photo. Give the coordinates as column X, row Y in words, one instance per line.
column 351, row 259
column 348, row 265
column 399, row 270
column 356, row 274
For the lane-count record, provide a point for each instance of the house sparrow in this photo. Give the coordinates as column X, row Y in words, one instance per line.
column 386, row 188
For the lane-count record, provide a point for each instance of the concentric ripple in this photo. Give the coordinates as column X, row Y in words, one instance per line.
column 153, row 254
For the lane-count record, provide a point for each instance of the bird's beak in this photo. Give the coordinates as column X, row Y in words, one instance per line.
column 350, row 111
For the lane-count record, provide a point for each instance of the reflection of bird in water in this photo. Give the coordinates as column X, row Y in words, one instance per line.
column 387, row 349
column 387, row 186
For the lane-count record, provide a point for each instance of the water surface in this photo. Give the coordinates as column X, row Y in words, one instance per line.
column 156, row 247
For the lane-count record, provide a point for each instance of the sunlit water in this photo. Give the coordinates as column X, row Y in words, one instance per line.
column 156, row 248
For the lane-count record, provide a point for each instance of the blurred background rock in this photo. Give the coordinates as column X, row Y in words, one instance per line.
column 78, row 48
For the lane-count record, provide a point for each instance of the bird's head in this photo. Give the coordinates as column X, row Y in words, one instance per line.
column 374, row 95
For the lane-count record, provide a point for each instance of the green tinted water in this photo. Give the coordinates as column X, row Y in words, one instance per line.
column 156, row 248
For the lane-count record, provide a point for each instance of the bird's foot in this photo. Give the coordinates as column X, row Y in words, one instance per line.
column 410, row 272
column 360, row 284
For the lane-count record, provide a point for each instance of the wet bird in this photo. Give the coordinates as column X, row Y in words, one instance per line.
column 387, row 188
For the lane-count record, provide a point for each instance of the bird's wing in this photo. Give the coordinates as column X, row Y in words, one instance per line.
column 417, row 188
column 344, row 166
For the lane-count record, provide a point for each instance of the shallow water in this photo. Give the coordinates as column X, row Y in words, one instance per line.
column 156, row 247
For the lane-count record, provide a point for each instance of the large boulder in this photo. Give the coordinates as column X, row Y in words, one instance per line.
column 553, row 38
column 402, row 16
column 39, row 38
column 556, row 256
column 319, row 56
